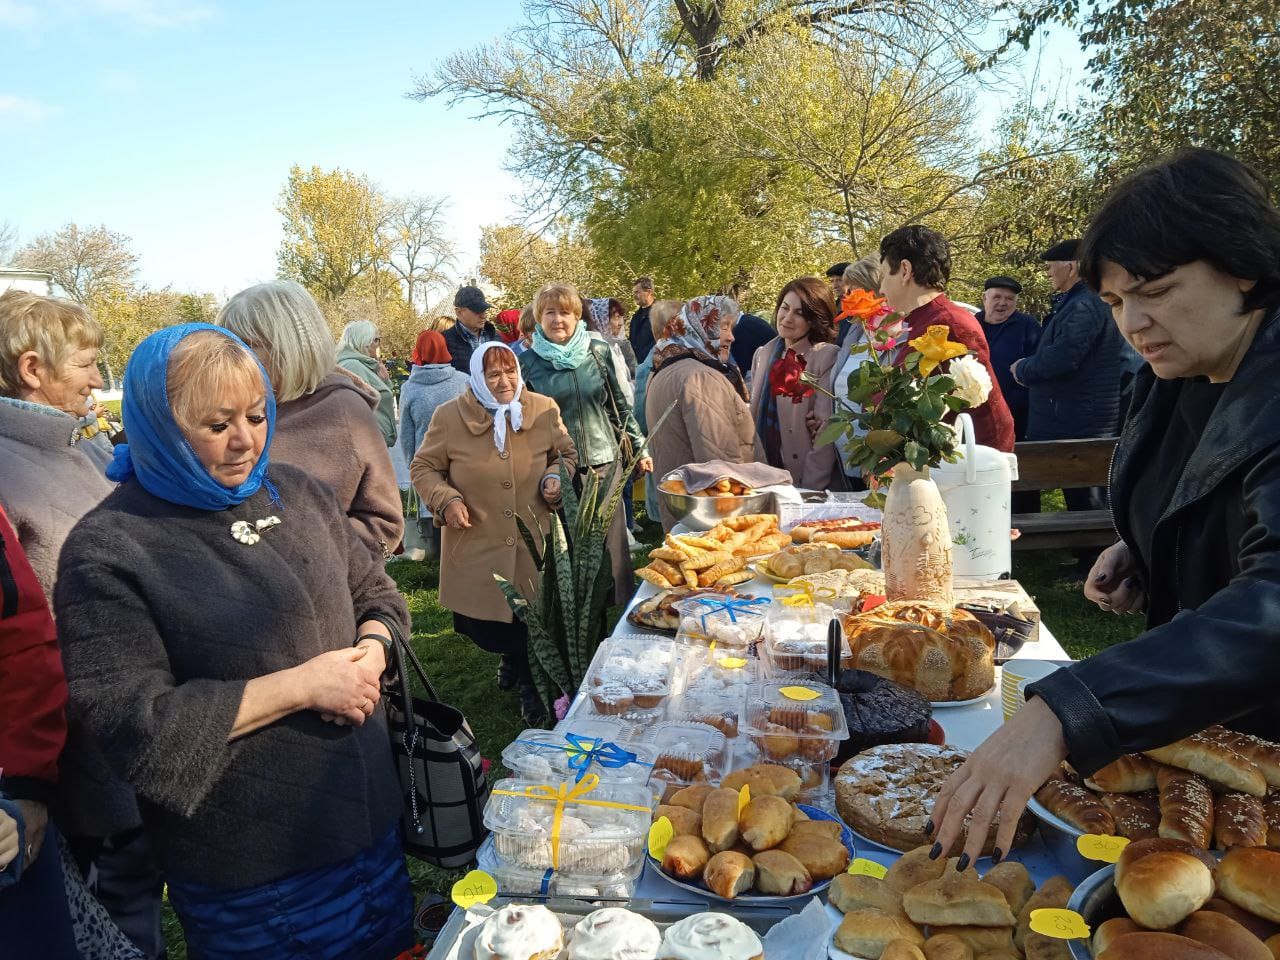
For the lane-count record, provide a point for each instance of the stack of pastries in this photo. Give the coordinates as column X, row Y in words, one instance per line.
column 925, row 909
column 770, row 848
column 945, row 654
column 1180, row 903
column 1216, row 789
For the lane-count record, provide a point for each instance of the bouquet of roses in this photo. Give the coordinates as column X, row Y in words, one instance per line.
column 895, row 400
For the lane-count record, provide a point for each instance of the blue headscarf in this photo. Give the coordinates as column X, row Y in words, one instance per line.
column 157, row 453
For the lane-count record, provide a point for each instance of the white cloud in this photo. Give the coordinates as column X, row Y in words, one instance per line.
column 14, row 107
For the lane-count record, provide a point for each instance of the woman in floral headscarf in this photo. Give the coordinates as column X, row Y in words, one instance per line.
column 712, row 420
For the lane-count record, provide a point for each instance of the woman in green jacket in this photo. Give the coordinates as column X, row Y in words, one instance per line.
column 358, row 355
column 568, row 365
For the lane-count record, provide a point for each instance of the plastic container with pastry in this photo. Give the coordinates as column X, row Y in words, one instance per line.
column 597, row 834
column 599, row 747
column 815, row 778
column 659, row 612
column 515, row 881
column 943, row 653
column 732, row 622
column 795, row 640
column 688, row 752
column 879, row 711
column 791, row 721
column 629, row 678
column 713, row 695
column 884, row 794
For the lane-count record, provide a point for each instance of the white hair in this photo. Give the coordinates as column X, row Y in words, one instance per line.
column 281, row 322
column 358, row 335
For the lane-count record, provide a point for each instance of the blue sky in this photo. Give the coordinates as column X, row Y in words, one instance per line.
column 175, row 122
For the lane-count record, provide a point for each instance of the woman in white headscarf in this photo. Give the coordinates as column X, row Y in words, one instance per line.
column 488, row 456
column 608, row 318
column 691, row 369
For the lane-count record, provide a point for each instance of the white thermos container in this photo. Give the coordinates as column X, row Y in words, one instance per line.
column 976, row 489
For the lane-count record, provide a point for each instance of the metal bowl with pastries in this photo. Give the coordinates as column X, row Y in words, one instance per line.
column 703, row 513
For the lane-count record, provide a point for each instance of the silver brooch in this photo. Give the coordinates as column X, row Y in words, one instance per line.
column 250, row 533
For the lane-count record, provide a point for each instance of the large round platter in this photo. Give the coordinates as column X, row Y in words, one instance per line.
column 1060, row 837
column 944, row 704
column 813, row 813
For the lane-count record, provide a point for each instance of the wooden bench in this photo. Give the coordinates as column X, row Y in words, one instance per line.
column 1050, row 464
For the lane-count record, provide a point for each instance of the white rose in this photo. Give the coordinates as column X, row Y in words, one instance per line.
column 973, row 383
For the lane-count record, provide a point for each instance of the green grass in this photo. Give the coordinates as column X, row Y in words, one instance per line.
column 463, row 674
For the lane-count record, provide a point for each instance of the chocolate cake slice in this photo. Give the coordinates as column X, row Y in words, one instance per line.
column 880, row 711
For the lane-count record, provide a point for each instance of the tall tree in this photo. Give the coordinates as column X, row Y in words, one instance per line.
column 87, row 264
column 8, row 242
column 333, row 222
column 418, row 249
column 518, row 261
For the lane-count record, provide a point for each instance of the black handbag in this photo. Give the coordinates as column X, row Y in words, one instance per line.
column 442, row 779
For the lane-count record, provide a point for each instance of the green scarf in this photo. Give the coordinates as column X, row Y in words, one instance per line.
column 563, row 356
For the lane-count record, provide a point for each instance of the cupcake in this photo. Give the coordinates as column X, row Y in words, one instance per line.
column 612, row 697
column 520, row 932
column 648, row 691
column 710, row 936
column 614, row 934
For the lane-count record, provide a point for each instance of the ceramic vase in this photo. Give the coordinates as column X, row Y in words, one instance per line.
column 916, row 539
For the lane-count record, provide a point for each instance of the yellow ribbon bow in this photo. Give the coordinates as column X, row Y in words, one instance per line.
column 803, row 594
column 935, row 348
column 561, row 795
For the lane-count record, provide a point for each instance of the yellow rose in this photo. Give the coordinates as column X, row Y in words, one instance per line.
column 934, row 348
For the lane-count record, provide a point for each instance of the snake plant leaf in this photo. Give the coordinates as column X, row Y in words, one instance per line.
column 518, row 604
column 527, row 536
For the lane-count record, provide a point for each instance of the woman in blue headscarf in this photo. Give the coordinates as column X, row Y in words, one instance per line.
column 225, row 631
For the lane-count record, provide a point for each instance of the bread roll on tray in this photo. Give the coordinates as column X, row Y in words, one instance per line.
column 1250, row 878
column 1223, row 933
column 1161, row 890
column 1159, row 946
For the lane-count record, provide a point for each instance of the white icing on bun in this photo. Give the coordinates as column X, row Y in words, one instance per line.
column 710, row 936
column 614, row 934
column 520, row 932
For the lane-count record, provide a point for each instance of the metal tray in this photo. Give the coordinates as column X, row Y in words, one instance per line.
column 1096, row 900
column 1060, row 837
column 456, row 939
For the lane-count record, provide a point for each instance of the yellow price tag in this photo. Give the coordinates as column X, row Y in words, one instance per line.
column 868, row 868
column 731, row 663
column 476, row 887
column 1059, row 924
column 799, row 693
column 744, row 797
column 660, row 835
column 1095, row 847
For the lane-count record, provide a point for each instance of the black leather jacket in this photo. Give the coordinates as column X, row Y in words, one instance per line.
column 1211, row 651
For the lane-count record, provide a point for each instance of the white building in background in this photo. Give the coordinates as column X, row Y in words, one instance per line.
column 29, row 281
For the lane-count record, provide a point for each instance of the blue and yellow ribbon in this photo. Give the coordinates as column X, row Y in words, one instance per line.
column 584, row 751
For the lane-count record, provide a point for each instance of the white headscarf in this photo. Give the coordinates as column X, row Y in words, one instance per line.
column 501, row 411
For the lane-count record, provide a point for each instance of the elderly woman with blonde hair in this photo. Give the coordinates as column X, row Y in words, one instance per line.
column 234, row 682
column 359, row 353
column 325, row 417
column 576, row 370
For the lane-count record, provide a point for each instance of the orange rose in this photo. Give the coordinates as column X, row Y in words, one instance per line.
column 862, row 304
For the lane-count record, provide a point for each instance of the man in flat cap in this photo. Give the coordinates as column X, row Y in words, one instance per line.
column 1074, row 373
column 472, row 328
column 1011, row 335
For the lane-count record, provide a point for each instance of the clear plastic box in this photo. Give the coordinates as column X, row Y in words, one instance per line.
column 795, row 640
column 688, row 752
column 519, row 882
column 733, row 622
column 546, row 756
column 710, row 687
column 795, row 720
column 815, row 778
column 630, row 675
column 595, row 839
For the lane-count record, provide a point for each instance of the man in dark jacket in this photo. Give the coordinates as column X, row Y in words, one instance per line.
column 641, row 333
column 471, row 330
column 749, row 334
column 1074, row 374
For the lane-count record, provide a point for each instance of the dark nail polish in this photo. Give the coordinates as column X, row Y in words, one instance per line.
column 996, row 856
column 928, row 828
column 935, row 852
column 963, row 863
column 1100, row 578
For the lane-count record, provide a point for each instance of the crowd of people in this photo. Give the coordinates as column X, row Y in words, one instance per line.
column 196, row 621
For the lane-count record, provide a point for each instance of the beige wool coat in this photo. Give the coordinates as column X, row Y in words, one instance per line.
column 458, row 458
column 811, row 468
column 710, row 421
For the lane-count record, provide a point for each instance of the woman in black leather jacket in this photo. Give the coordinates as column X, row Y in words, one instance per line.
column 1187, row 254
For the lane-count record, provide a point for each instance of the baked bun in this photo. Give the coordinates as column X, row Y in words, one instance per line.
column 1260, row 928
column 683, row 820
column 865, row 933
column 912, row 869
column 1135, row 851
column 1039, row 947
column 1159, row 946
column 823, row 857
column 980, row 939
column 710, row 936
column 947, row 946
column 1272, row 943
column 945, row 654
column 1012, row 880
column 1108, row 930
column 686, row 857
column 613, row 933
column 902, row 950
column 1131, row 773
column 720, row 819
column 849, row 892
column 765, row 780
column 1250, row 878
column 1223, row 934
column 1162, row 889
column 765, row 822
column 1054, row 892
column 692, row 797
column 957, row 900
column 729, row 873
column 780, row 874
column 520, row 932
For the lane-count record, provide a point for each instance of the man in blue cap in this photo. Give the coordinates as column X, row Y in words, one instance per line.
column 471, row 330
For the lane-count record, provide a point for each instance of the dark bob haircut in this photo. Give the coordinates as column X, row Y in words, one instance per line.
column 1192, row 205
column 815, row 306
column 927, row 250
